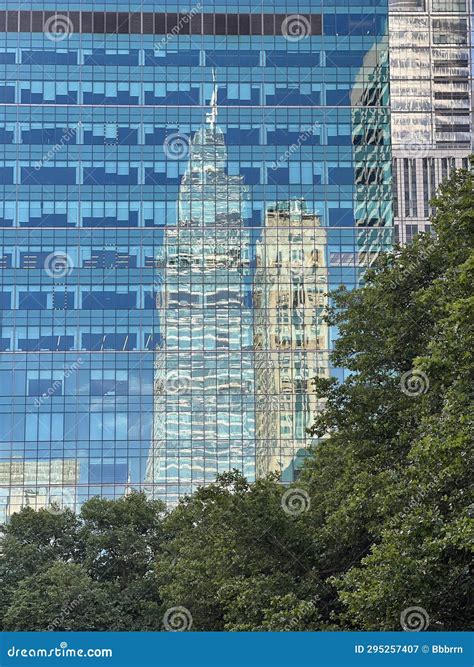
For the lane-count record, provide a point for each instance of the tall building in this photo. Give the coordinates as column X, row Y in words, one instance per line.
column 204, row 419
column 118, row 361
column 432, row 101
column 291, row 338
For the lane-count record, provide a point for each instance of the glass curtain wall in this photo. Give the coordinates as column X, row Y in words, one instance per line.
column 179, row 190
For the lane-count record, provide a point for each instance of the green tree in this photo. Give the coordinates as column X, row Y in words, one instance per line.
column 120, row 540
column 236, row 559
column 32, row 541
column 102, row 563
column 425, row 547
column 390, row 484
column 61, row 597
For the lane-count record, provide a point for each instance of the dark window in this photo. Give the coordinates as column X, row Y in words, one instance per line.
column 452, row 95
column 268, row 24
column 195, row 22
column 86, row 22
column 148, row 28
column 135, row 23
column 37, row 22
column 208, row 24
column 171, row 22
column 110, row 22
column 25, row 21
column 411, row 194
column 123, row 23
column 395, row 188
column 451, row 63
column 75, row 18
column 46, row 17
column 220, row 28
column 162, row 23
column 454, row 127
column 232, row 24
column 279, row 23
column 12, row 21
column 411, row 232
column 316, row 24
column 99, row 22
column 256, row 24
column 184, row 24
column 244, row 24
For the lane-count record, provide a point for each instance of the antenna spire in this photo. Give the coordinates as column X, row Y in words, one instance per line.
column 211, row 117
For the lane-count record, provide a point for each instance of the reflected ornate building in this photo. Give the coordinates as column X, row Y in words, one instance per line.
column 204, row 380
column 291, row 338
column 37, row 484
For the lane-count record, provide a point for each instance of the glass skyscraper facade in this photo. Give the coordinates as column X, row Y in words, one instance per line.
column 180, row 188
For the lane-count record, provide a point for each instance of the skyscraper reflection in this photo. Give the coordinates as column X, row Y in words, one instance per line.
column 291, row 337
column 204, row 379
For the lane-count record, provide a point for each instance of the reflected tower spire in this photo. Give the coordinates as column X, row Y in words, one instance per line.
column 204, row 414
column 211, row 116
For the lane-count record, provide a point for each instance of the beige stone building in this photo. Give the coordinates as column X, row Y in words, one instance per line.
column 291, row 339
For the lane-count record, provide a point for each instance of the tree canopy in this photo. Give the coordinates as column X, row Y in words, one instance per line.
column 90, row 572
